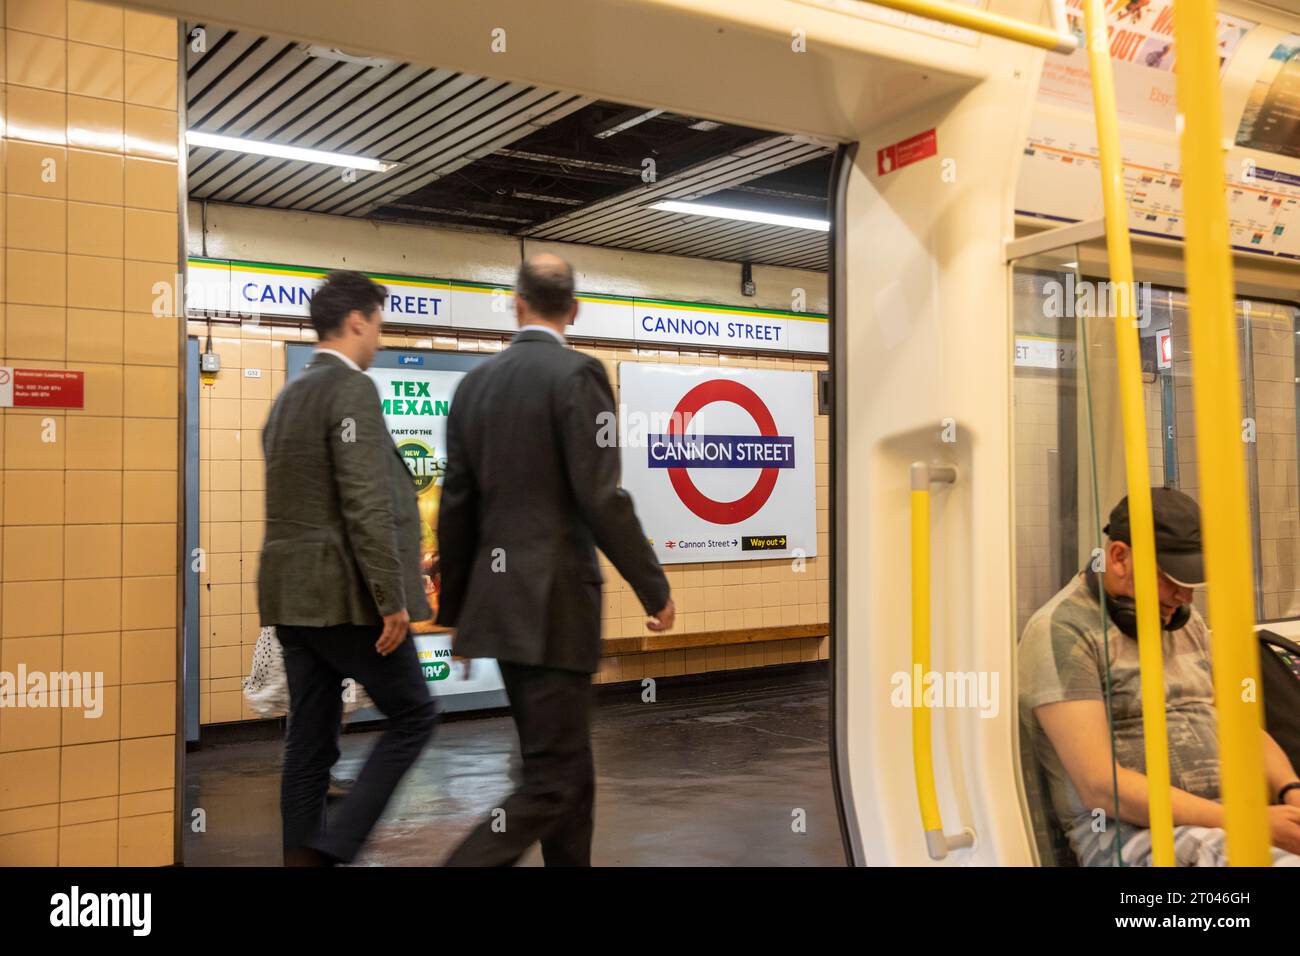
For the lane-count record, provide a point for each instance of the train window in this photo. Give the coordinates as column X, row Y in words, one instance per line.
column 1070, row 473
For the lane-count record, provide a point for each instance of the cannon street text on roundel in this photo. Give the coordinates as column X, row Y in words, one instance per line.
column 677, row 452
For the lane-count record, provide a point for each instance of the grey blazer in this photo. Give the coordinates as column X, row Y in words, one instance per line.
column 342, row 542
column 529, row 494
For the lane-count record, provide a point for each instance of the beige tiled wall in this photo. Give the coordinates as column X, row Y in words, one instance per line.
column 1272, row 363
column 710, row 597
column 1274, row 372
column 89, row 560
column 1037, row 396
column 1273, row 360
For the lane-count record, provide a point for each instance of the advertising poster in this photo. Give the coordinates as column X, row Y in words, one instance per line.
column 1142, row 51
column 721, row 462
column 416, row 390
column 1271, row 119
column 416, row 402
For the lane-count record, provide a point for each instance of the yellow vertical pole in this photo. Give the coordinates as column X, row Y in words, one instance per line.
column 1222, row 462
column 1128, row 356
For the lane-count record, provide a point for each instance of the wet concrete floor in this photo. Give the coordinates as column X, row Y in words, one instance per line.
column 719, row 772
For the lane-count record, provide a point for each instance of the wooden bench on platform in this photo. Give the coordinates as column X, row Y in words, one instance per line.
column 649, row 642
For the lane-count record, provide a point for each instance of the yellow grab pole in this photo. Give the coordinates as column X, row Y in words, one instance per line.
column 1128, row 357
column 1222, row 462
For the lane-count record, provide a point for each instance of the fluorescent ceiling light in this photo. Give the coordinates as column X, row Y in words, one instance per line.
column 334, row 53
column 746, row 215
column 636, row 120
column 216, row 141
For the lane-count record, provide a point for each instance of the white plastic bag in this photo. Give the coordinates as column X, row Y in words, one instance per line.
column 267, row 688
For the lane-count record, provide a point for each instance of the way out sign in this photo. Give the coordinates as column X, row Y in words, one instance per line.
column 41, row 388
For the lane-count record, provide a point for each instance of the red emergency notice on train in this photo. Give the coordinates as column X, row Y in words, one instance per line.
column 42, row 388
column 908, row 151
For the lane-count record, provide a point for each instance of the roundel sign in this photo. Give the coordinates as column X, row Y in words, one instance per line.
column 713, row 449
column 719, row 461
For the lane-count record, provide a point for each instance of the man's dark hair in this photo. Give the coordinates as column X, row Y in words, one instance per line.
column 546, row 287
column 342, row 292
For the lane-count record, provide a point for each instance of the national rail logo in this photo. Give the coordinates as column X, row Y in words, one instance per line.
column 678, row 451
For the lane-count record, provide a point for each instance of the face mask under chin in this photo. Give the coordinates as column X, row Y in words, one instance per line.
column 1122, row 611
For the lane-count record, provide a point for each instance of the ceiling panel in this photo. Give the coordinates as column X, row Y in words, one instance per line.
column 491, row 155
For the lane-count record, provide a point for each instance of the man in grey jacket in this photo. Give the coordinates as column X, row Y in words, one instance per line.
column 340, row 575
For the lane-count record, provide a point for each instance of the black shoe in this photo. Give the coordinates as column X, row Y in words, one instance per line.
column 306, row 856
column 339, row 787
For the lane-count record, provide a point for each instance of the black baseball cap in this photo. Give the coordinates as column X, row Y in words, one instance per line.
column 1177, row 521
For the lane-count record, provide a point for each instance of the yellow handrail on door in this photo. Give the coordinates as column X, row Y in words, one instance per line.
column 1222, row 461
column 1057, row 38
column 1128, row 357
column 937, row 843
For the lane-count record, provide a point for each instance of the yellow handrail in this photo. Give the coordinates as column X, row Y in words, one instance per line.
column 1058, row 38
column 1216, row 388
column 937, row 843
column 922, row 759
column 1128, row 357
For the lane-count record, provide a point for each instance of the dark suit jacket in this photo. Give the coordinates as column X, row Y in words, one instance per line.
column 342, row 542
column 527, row 496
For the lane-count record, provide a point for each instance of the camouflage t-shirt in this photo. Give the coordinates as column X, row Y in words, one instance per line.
column 1062, row 657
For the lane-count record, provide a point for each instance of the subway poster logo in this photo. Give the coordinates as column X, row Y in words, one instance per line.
column 415, row 404
column 433, row 669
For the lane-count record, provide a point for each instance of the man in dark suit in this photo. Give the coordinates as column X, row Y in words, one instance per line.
column 340, row 575
column 531, row 490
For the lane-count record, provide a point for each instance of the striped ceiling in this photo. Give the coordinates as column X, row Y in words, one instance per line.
column 439, row 124
column 627, row 221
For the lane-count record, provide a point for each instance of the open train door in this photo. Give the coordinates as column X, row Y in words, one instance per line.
column 922, row 343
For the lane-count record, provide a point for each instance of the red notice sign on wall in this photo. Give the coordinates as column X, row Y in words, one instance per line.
column 41, row 388
column 911, row 150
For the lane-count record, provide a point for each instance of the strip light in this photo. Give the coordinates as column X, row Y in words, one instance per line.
column 216, row 141
column 628, row 124
column 745, row 215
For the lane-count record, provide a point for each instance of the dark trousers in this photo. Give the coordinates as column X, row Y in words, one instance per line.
column 554, row 804
column 316, row 660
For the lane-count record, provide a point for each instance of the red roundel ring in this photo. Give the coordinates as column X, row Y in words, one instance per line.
column 722, row 512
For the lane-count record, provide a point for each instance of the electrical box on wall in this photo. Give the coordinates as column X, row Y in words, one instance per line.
column 210, row 362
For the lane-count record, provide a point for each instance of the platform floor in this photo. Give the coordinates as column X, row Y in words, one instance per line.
column 709, row 775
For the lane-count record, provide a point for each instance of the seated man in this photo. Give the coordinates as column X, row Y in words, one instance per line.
column 1062, row 673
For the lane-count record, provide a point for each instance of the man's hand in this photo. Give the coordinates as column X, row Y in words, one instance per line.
column 1284, row 827
column 663, row 620
column 394, row 632
column 466, row 665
